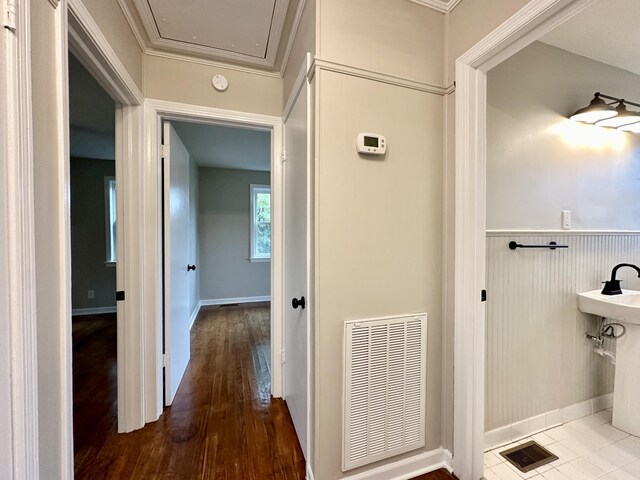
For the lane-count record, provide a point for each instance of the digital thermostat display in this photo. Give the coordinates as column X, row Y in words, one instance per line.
column 371, row 144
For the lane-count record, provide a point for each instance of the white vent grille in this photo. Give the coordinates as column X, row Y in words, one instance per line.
column 384, row 374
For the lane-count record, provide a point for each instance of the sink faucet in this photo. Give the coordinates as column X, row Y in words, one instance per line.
column 612, row 287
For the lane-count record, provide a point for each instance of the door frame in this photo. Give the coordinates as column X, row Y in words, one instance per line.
column 535, row 19
column 156, row 111
column 18, row 254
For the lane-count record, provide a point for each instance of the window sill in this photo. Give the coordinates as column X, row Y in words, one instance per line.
column 259, row 259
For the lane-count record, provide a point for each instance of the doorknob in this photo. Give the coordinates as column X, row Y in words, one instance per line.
column 295, row 303
column 191, row 267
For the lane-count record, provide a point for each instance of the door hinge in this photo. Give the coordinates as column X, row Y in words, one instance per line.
column 283, row 359
column 165, row 360
column 119, row 295
column 284, row 155
column 483, row 296
column 9, row 12
column 164, row 151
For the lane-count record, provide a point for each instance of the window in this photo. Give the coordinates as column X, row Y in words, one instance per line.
column 260, row 223
column 110, row 218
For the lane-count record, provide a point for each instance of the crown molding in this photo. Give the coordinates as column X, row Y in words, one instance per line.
column 133, row 24
column 292, row 35
column 444, row 6
column 151, row 52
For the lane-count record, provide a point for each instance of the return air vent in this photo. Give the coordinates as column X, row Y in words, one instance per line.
column 384, row 374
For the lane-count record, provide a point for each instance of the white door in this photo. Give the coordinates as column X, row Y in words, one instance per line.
column 296, row 285
column 177, row 342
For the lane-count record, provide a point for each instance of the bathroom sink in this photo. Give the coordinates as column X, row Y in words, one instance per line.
column 623, row 308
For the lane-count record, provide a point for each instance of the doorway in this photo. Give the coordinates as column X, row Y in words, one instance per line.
column 93, row 261
column 524, row 28
column 217, row 231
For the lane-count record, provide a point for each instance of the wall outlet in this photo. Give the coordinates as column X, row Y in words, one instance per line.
column 91, row 294
column 566, row 219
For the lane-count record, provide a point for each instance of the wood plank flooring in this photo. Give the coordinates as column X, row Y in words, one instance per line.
column 222, row 425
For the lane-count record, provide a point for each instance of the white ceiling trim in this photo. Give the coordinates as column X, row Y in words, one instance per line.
column 133, row 24
column 292, row 35
column 156, row 40
column 444, row 6
column 209, row 63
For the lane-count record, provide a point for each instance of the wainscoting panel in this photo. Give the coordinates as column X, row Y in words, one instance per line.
column 537, row 356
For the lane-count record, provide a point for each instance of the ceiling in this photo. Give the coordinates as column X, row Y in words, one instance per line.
column 606, row 31
column 248, row 32
column 220, row 146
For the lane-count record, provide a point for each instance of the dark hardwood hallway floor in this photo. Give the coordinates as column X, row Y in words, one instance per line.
column 222, row 425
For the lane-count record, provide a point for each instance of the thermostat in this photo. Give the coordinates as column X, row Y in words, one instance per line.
column 371, row 144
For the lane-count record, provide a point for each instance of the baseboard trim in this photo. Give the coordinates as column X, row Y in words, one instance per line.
column 225, row 301
column 529, row 426
column 194, row 315
column 76, row 312
column 309, row 473
column 408, row 467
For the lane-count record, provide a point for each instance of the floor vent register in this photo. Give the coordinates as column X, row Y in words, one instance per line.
column 528, row 456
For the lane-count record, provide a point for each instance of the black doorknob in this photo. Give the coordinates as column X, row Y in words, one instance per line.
column 191, row 267
column 295, row 303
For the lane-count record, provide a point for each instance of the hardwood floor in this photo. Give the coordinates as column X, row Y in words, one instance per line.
column 222, row 425
column 441, row 474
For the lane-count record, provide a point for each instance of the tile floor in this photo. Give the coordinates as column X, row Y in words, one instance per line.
column 587, row 448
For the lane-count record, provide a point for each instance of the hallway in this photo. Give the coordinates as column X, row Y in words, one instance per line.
column 223, row 423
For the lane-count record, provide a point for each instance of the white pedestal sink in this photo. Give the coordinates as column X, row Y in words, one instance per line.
column 625, row 309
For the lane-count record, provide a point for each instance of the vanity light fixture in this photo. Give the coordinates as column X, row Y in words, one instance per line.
column 597, row 110
column 623, row 117
column 603, row 114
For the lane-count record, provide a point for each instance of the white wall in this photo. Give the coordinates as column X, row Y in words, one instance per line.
column 224, row 235
column 539, row 162
column 537, row 356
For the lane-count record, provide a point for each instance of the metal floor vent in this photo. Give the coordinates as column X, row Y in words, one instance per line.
column 528, row 456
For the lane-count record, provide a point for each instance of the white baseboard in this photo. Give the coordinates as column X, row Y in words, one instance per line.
column 409, row 467
column 226, row 301
column 194, row 315
column 519, row 430
column 309, row 473
column 92, row 311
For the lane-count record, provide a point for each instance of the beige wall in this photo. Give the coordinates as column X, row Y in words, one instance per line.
column 379, row 240
column 470, row 21
column 305, row 41
column 395, row 37
column 48, row 199
column 113, row 24
column 190, row 82
column 539, row 162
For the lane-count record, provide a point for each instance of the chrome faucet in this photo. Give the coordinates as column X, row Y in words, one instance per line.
column 612, row 287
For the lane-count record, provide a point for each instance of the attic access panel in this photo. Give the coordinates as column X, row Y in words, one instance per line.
column 238, row 26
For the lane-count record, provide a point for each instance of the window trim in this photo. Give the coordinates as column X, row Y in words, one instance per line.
column 254, row 190
column 111, row 253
